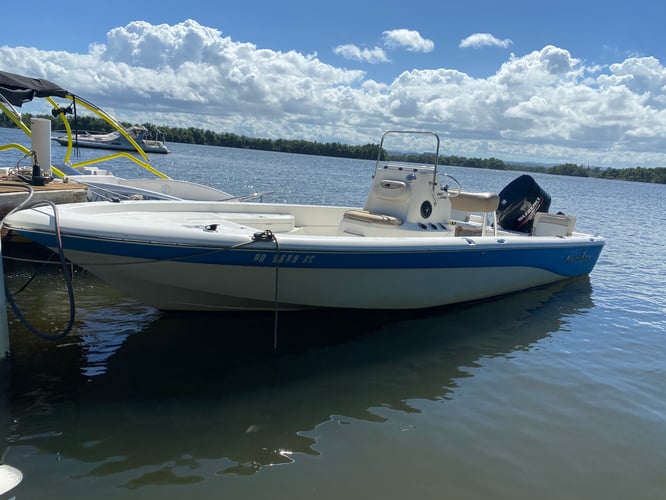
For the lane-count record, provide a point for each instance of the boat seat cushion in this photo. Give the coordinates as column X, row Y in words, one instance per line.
column 546, row 224
column 366, row 216
column 475, row 202
column 275, row 222
column 392, row 190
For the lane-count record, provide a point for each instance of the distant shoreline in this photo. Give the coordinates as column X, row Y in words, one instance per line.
column 191, row 135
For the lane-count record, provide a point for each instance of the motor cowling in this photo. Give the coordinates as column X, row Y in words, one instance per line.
column 519, row 202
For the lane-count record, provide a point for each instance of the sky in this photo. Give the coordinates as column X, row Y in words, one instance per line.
column 564, row 81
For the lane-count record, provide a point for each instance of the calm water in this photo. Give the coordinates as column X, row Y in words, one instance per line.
column 556, row 393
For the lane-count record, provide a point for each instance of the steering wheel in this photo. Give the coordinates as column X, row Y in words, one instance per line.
column 444, row 182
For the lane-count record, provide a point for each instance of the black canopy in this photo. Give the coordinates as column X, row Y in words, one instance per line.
column 19, row 89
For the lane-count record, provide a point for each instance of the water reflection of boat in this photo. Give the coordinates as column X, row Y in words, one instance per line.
column 165, row 407
column 115, row 140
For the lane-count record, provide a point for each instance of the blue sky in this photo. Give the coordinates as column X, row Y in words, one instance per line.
column 581, row 82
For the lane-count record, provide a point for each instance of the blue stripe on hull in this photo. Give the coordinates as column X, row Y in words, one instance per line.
column 570, row 260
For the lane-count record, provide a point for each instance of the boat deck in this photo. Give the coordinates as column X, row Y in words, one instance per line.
column 12, row 193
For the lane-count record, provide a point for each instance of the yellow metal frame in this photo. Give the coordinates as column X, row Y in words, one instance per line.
column 20, row 147
column 143, row 161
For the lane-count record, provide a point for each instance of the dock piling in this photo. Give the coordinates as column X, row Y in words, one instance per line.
column 4, row 325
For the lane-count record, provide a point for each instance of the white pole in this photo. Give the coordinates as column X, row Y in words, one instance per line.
column 9, row 476
column 41, row 142
column 4, row 326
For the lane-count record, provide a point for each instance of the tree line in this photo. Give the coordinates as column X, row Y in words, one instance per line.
column 655, row 175
column 192, row 135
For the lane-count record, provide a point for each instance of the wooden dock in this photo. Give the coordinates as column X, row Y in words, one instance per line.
column 13, row 193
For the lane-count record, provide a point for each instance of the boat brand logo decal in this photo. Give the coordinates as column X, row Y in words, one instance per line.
column 583, row 257
column 528, row 214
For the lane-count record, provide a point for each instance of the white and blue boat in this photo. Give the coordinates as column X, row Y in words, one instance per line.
column 115, row 140
column 419, row 241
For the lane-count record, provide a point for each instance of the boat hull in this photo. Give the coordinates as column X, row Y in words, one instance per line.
column 211, row 287
column 113, row 146
column 192, row 256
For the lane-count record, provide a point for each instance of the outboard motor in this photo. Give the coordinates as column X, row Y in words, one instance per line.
column 519, row 202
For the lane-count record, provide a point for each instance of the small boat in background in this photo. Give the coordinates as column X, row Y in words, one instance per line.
column 419, row 241
column 115, row 140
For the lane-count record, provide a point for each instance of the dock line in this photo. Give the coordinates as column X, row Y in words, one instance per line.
column 268, row 235
column 65, row 269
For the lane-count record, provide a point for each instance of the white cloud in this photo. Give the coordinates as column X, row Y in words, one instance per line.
column 407, row 39
column 142, row 44
column 545, row 105
column 394, row 39
column 353, row 52
column 643, row 75
column 478, row 40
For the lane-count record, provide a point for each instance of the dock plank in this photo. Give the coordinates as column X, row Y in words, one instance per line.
column 13, row 193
